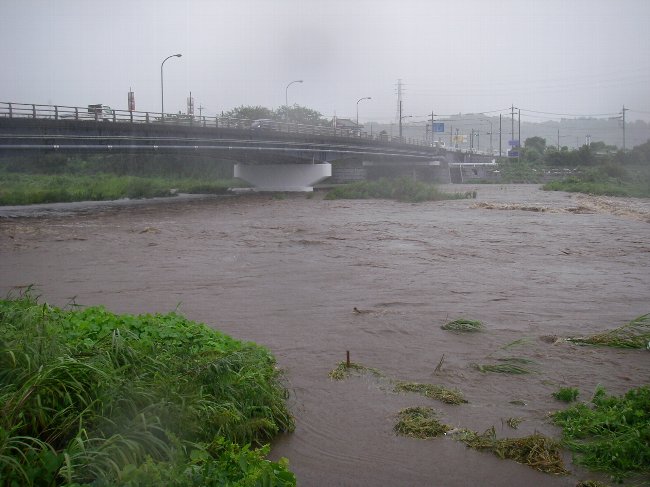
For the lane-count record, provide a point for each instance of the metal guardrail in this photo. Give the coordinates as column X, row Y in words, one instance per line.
column 63, row 113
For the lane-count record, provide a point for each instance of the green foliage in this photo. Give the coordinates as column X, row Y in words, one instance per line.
column 419, row 422
column 88, row 396
column 299, row 114
column 402, row 189
column 566, row 394
column 518, row 171
column 612, row 434
column 536, row 143
column 464, row 325
column 249, row 112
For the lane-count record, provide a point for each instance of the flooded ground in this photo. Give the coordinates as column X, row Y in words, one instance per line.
column 287, row 273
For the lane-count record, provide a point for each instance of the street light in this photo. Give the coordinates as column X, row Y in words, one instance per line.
column 162, row 91
column 286, row 92
column 360, row 99
column 286, row 96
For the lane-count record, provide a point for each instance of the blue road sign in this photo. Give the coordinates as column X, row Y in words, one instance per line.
column 513, row 143
column 513, row 153
column 438, row 127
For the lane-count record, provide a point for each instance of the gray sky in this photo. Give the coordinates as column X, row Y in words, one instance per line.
column 559, row 56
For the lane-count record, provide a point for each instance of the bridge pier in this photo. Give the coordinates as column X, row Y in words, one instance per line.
column 283, row 177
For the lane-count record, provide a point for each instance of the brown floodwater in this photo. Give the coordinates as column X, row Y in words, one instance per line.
column 287, row 273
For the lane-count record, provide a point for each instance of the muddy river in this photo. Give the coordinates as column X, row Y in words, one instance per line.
column 287, row 273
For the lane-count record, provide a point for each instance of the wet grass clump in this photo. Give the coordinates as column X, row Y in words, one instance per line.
column 537, row 451
column 419, row 422
column 511, row 365
column 343, row 370
column 634, row 334
column 401, row 189
column 440, row 393
column 566, row 394
column 91, row 397
column 464, row 325
column 612, row 434
column 514, row 422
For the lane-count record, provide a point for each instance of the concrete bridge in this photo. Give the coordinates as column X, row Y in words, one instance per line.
column 270, row 155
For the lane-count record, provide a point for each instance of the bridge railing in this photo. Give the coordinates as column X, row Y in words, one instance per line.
column 99, row 113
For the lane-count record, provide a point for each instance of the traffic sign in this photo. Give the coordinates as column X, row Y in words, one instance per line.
column 438, row 127
column 513, row 143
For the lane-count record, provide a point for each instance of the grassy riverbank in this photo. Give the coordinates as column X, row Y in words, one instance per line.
column 605, row 187
column 91, row 397
column 402, row 189
column 25, row 189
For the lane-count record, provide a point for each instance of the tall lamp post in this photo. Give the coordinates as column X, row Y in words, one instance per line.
column 360, row 99
column 162, row 90
column 286, row 92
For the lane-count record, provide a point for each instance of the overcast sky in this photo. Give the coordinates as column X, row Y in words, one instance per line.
column 463, row 56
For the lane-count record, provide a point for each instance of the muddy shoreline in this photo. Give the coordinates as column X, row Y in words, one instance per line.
column 287, row 273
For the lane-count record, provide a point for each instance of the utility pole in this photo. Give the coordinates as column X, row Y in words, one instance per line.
column 500, row 135
column 624, row 110
column 558, row 140
column 519, row 129
column 400, row 119
column 512, row 125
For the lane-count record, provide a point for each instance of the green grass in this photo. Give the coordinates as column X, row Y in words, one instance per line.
column 91, row 397
column 24, row 189
column 634, row 334
column 464, row 325
column 440, row 393
column 607, row 188
column 612, row 434
column 402, row 189
column 566, row 394
column 419, row 422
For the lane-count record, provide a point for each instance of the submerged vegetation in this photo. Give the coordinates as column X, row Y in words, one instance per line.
column 612, row 434
column 91, row 397
column 463, row 325
column 401, row 189
column 440, row 393
column 536, row 451
column 510, row 365
column 343, row 370
column 419, row 422
column 634, row 334
column 566, row 394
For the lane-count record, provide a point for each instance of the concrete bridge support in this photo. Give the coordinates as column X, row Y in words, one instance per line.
column 283, row 177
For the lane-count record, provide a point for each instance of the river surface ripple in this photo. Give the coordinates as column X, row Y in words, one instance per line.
column 287, row 273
